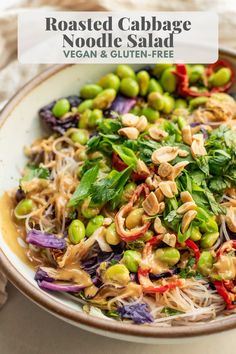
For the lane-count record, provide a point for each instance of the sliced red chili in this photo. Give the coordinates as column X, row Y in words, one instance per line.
column 211, row 69
column 228, row 297
column 134, row 234
column 143, row 274
column 226, row 247
column 191, row 244
column 120, row 165
column 183, row 80
column 117, row 163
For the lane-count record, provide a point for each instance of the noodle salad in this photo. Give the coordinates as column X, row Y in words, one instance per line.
column 128, row 204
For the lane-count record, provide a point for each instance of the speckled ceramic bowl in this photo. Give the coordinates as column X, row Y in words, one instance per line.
column 19, row 126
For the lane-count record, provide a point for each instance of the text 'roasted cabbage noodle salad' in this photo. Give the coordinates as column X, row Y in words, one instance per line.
column 128, row 206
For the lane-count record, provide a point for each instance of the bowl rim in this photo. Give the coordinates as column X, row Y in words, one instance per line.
column 53, row 306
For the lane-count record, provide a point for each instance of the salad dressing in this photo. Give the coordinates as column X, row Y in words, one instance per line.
column 10, row 232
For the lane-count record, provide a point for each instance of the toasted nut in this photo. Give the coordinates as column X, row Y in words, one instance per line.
column 230, row 218
column 142, row 123
column 186, row 207
column 130, row 132
column 153, row 181
column 187, row 219
column 168, row 188
column 129, row 120
column 151, row 204
column 183, row 153
column 177, row 169
column 164, row 154
column 187, row 135
column 159, row 194
column 158, row 227
column 142, row 167
column 165, row 169
column 161, row 207
column 169, row 239
column 157, row 134
column 186, row 197
column 197, row 146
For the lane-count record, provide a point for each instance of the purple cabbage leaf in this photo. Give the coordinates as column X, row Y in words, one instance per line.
column 138, row 313
column 40, row 239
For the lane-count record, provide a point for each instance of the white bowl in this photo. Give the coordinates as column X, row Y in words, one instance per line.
column 19, row 126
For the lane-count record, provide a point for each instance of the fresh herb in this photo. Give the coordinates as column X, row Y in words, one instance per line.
column 188, row 271
column 35, row 172
column 109, row 126
column 109, row 188
column 168, row 311
column 203, row 165
column 127, row 155
column 82, row 191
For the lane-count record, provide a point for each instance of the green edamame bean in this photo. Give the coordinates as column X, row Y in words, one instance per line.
column 134, row 218
column 76, row 231
column 143, row 80
column 205, row 263
column 82, row 156
column 167, row 255
column 80, row 136
column 209, row 239
column 197, row 101
column 147, row 236
column 128, row 191
column 180, row 103
column 155, row 86
column 24, row 207
column 220, row 78
column 181, row 122
column 90, row 91
column 84, row 119
column 159, row 68
column 94, row 224
column 151, row 114
column 104, row 99
column 87, row 104
column 131, row 260
column 195, row 234
column 156, row 101
column 61, row 107
column 95, row 118
column 196, row 73
column 169, row 104
column 136, row 110
column 123, row 71
column 110, row 81
column 209, row 226
column 112, row 236
column 117, row 273
column 129, row 87
column 168, row 80
column 89, row 211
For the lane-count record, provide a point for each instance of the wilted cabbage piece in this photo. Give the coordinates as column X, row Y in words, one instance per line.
column 139, row 313
column 122, row 104
column 56, row 124
column 42, row 275
column 69, row 288
column 40, row 239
